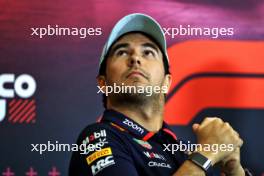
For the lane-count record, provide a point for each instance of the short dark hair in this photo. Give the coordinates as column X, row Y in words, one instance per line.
column 102, row 70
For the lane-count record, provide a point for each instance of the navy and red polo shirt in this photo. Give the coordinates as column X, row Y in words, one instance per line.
column 117, row 145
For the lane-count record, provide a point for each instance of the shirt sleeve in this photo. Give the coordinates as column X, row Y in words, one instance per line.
column 101, row 152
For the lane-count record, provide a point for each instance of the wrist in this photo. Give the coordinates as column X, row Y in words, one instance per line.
column 210, row 155
column 200, row 160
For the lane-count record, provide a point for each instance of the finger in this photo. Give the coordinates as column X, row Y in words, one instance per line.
column 235, row 155
column 222, row 174
column 240, row 143
column 195, row 127
column 231, row 164
column 236, row 133
column 207, row 120
column 227, row 124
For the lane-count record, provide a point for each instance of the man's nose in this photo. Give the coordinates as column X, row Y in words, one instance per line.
column 134, row 60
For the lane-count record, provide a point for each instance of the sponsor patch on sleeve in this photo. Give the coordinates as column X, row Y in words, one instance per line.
column 96, row 155
column 102, row 164
column 94, row 141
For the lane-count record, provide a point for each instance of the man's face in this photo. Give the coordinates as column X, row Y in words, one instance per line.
column 135, row 60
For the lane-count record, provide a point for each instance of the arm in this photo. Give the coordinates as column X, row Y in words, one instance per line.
column 109, row 155
column 231, row 165
column 188, row 168
column 210, row 132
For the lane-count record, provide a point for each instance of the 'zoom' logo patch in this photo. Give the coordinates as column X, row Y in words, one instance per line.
column 134, row 126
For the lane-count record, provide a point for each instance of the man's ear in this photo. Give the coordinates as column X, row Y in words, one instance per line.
column 101, row 82
column 167, row 81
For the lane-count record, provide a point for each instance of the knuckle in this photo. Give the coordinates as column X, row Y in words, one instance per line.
column 218, row 120
column 227, row 124
column 207, row 119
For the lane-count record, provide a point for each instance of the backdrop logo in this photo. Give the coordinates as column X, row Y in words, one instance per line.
column 216, row 74
column 16, row 98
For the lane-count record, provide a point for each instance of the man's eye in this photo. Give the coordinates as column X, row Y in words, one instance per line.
column 149, row 53
column 121, row 53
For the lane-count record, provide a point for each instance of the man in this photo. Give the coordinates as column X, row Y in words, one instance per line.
column 131, row 138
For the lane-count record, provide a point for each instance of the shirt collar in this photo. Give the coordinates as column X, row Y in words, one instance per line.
column 133, row 127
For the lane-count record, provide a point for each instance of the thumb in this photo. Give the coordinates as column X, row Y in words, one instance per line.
column 195, row 127
column 222, row 174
